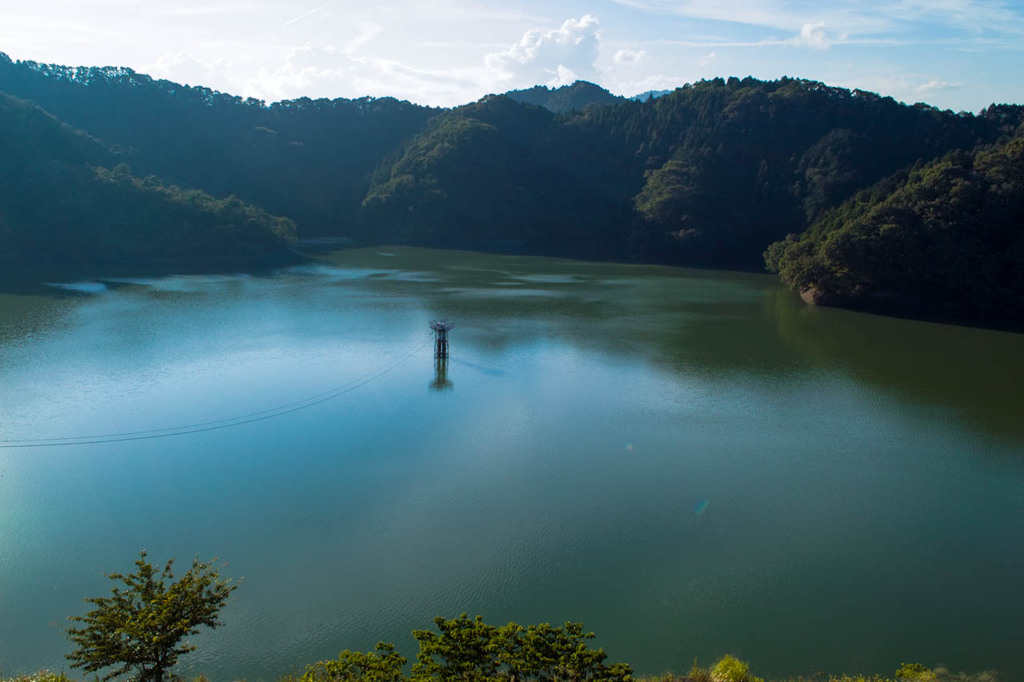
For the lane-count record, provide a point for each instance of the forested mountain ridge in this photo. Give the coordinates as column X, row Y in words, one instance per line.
column 308, row 159
column 29, row 133
column 945, row 238
column 59, row 205
column 496, row 174
column 710, row 174
column 566, row 98
column 751, row 160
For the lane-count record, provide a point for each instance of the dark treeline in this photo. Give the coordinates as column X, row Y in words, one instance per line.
column 945, row 238
column 711, row 174
column 708, row 175
column 310, row 160
column 61, row 205
column 500, row 174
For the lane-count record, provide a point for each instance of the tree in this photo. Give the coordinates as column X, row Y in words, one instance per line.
column 140, row 627
column 548, row 654
column 466, row 649
column 469, row 650
column 383, row 665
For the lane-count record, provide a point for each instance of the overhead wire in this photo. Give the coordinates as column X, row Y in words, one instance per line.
column 214, row 425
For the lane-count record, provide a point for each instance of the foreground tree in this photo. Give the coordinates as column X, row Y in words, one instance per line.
column 468, row 650
column 139, row 628
column 383, row 665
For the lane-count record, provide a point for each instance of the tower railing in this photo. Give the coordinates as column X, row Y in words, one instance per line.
column 441, row 329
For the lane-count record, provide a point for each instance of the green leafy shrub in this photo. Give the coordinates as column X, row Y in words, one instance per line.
column 915, row 672
column 382, row 665
column 731, row 669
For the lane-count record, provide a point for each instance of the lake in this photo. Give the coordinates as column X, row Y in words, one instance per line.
column 691, row 463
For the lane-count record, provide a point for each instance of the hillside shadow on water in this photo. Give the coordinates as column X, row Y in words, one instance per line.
column 723, row 326
column 29, row 279
column 705, row 325
column 975, row 372
column 34, row 298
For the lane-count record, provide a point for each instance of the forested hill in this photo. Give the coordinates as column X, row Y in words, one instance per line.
column 710, row 174
column 498, row 174
column 61, row 206
column 946, row 238
column 566, row 98
column 310, row 160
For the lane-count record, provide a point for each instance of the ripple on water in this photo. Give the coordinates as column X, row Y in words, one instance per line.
column 650, row 454
column 81, row 287
column 551, row 279
column 479, row 292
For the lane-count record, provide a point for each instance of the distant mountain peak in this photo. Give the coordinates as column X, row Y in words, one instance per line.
column 566, row 98
column 650, row 94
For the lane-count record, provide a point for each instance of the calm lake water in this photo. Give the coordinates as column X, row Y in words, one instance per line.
column 692, row 463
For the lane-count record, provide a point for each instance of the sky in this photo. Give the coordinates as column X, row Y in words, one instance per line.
column 954, row 54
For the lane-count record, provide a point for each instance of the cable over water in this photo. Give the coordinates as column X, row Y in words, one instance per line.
column 214, row 425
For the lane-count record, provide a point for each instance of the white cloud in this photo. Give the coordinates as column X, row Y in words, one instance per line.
column 937, row 85
column 973, row 15
column 546, row 56
column 707, row 59
column 813, row 35
column 327, row 71
column 307, row 14
column 785, row 15
column 181, row 67
column 367, row 32
column 563, row 76
column 313, row 71
column 849, row 17
column 655, row 82
column 208, row 10
column 904, row 87
column 629, row 57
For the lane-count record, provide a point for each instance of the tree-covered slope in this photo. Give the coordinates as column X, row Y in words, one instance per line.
column 738, row 163
column 484, row 176
column 710, row 174
column 310, row 160
column 60, row 206
column 945, row 238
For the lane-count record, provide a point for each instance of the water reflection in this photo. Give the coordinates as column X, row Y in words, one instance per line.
column 970, row 370
column 774, row 456
column 441, row 381
column 716, row 325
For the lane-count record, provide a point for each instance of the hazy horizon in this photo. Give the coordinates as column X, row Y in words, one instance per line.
column 525, row 87
column 958, row 54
